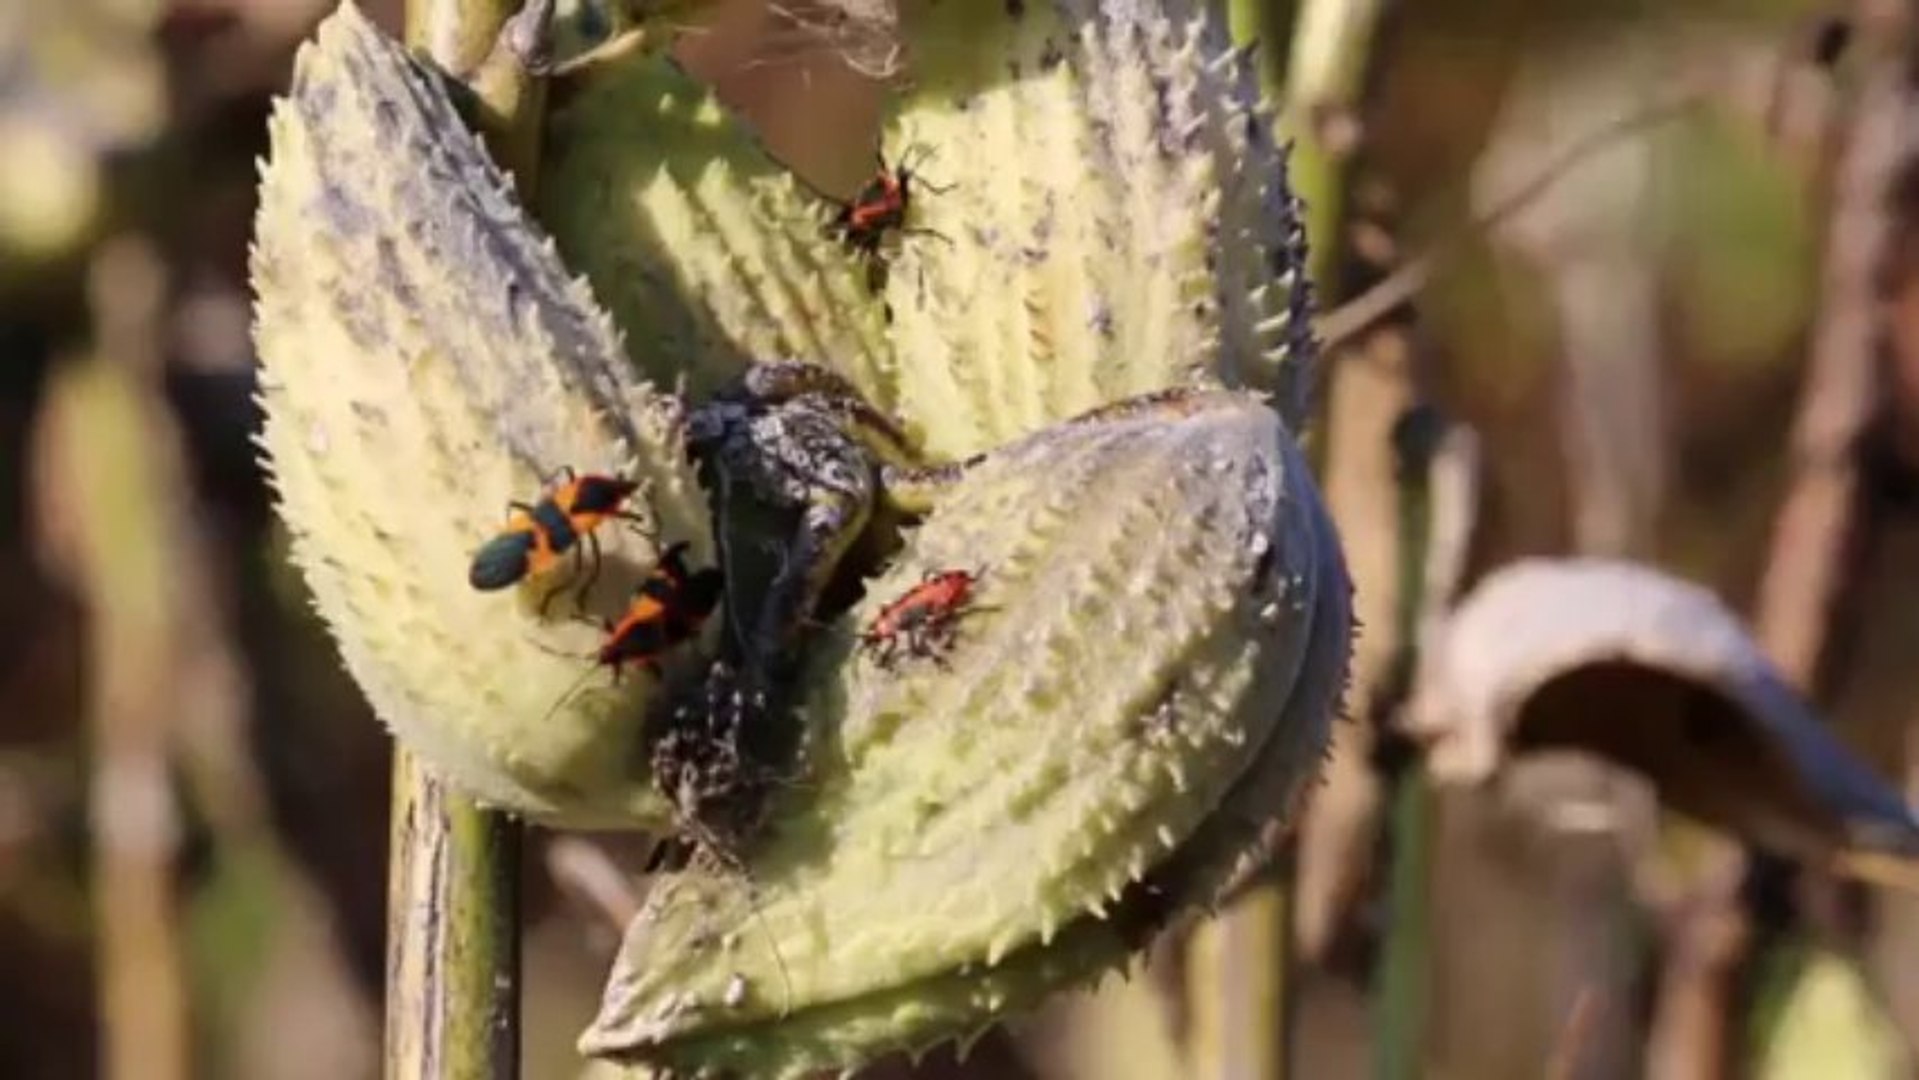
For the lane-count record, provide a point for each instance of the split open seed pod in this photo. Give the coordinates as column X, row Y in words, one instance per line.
column 425, row 359
column 1144, row 680
column 1142, row 683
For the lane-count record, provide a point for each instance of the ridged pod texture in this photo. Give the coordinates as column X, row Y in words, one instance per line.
column 1142, row 684
column 698, row 241
column 1146, row 675
column 1111, row 218
column 425, row 358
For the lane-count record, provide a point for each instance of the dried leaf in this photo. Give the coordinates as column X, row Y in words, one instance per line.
column 1656, row 675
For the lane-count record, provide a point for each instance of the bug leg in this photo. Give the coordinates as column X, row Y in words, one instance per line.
column 922, row 646
column 923, row 231
column 551, row 651
column 546, row 602
column 589, row 554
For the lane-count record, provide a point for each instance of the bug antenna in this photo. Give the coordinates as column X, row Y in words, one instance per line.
column 570, row 691
column 551, row 651
column 711, row 848
column 773, row 943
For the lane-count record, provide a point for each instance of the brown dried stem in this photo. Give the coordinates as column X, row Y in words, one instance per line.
column 1694, row 1030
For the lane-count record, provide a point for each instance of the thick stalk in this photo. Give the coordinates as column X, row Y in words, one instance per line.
column 453, row 934
column 453, row 926
column 1332, row 46
column 1407, row 958
column 1236, row 986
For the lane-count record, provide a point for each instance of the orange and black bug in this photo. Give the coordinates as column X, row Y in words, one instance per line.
column 668, row 608
column 538, row 535
column 878, row 209
column 922, row 618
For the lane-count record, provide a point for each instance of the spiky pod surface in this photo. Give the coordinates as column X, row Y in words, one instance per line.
column 1145, row 679
column 1113, row 219
column 1141, row 679
column 425, row 358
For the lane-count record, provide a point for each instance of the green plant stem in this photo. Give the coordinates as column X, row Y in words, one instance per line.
column 453, row 934
column 1263, row 22
column 1401, row 999
column 1332, row 46
column 453, row 912
column 1236, row 986
column 1406, row 958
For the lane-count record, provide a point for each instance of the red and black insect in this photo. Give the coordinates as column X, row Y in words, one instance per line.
column 538, row 535
column 668, row 608
column 923, row 618
column 878, row 210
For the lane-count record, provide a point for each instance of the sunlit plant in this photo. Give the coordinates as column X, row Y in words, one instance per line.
column 1075, row 375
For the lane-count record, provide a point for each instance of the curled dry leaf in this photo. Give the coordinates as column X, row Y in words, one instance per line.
column 1654, row 674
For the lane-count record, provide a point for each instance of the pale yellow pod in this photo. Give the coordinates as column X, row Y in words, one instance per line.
column 1145, row 679
column 1115, row 218
column 1098, row 209
column 1146, row 673
column 425, row 358
column 698, row 240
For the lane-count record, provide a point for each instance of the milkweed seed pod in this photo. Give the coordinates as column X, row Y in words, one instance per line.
column 1144, row 680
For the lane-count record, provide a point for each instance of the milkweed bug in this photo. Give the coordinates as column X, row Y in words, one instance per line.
column 923, row 617
column 879, row 208
column 669, row 607
column 538, row 535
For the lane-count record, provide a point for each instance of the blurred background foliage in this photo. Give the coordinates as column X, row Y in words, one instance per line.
column 193, row 796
